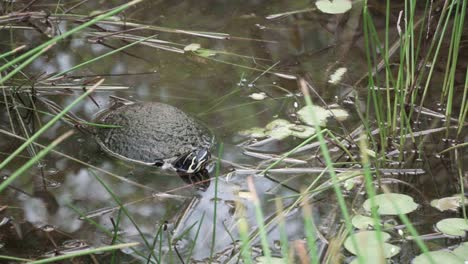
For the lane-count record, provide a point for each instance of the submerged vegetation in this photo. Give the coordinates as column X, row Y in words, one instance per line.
column 341, row 127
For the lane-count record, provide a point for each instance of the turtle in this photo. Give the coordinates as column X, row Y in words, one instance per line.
column 155, row 134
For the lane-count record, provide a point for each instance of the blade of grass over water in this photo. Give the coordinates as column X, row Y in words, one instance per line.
column 369, row 184
column 118, row 177
column 260, row 220
column 283, row 231
column 101, row 57
column 84, row 253
column 243, row 226
column 34, row 160
column 310, row 230
column 14, row 258
column 67, row 34
column 45, row 127
column 215, row 199
column 126, row 212
column 284, row 156
column 6, row 54
column 412, row 230
column 330, row 167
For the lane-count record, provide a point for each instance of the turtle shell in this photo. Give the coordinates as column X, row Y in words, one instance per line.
column 151, row 132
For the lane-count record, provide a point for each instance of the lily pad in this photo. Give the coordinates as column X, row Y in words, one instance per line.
column 277, row 123
column 333, row 6
column 453, row 226
column 388, row 203
column 302, row 131
column 462, row 251
column 369, row 246
column 255, row 132
column 362, row 222
column 339, row 114
column 448, row 203
column 439, row 256
column 279, row 129
column 305, row 114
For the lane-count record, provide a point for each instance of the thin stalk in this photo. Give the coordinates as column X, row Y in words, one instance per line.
column 464, row 107
column 11, row 52
column 330, row 167
column 412, row 231
column 84, row 253
column 196, row 238
column 125, row 211
column 260, row 220
column 67, row 34
column 282, row 230
column 32, row 161
column 100, row 57
column 310, row 231
column 284, row 156
column 215, row 206
column 371, row 194
column 245, row 242
column 44, row 128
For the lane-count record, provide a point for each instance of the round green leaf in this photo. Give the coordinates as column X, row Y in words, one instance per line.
column 333, row 6
column 369, row 247
column 462, row 251
column 453, row 226
column 388, row 203
column 277, row 123
column 305, row 115
column 255, row 132
column 447, row 203
column 445, row 257
column 301, row 131
column 362, row 222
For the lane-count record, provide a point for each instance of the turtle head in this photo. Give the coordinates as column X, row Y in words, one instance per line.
column 193, row 161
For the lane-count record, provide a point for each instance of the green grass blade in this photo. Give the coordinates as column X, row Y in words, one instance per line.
column 84, row 253
column 32, row 161
column 44, row 128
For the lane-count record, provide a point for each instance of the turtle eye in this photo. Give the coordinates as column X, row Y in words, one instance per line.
column 158, row 163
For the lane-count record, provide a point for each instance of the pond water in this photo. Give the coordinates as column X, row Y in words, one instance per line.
column 215, row 89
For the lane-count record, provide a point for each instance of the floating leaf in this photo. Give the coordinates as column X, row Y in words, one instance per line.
column 255, row 132
column 439, row 256
column 279, row 129
column 305, row 115
column 258, row 96
column 337, row 75
column 362, row 221
column 388, row 203
column 369, row 246
column 448, row 203
column 192, row 47
column 302, row 131
column 277, row 123
column 453, row 226
column 462, row 251
column 280, row 132
column 339, row 114
column 333, row 6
